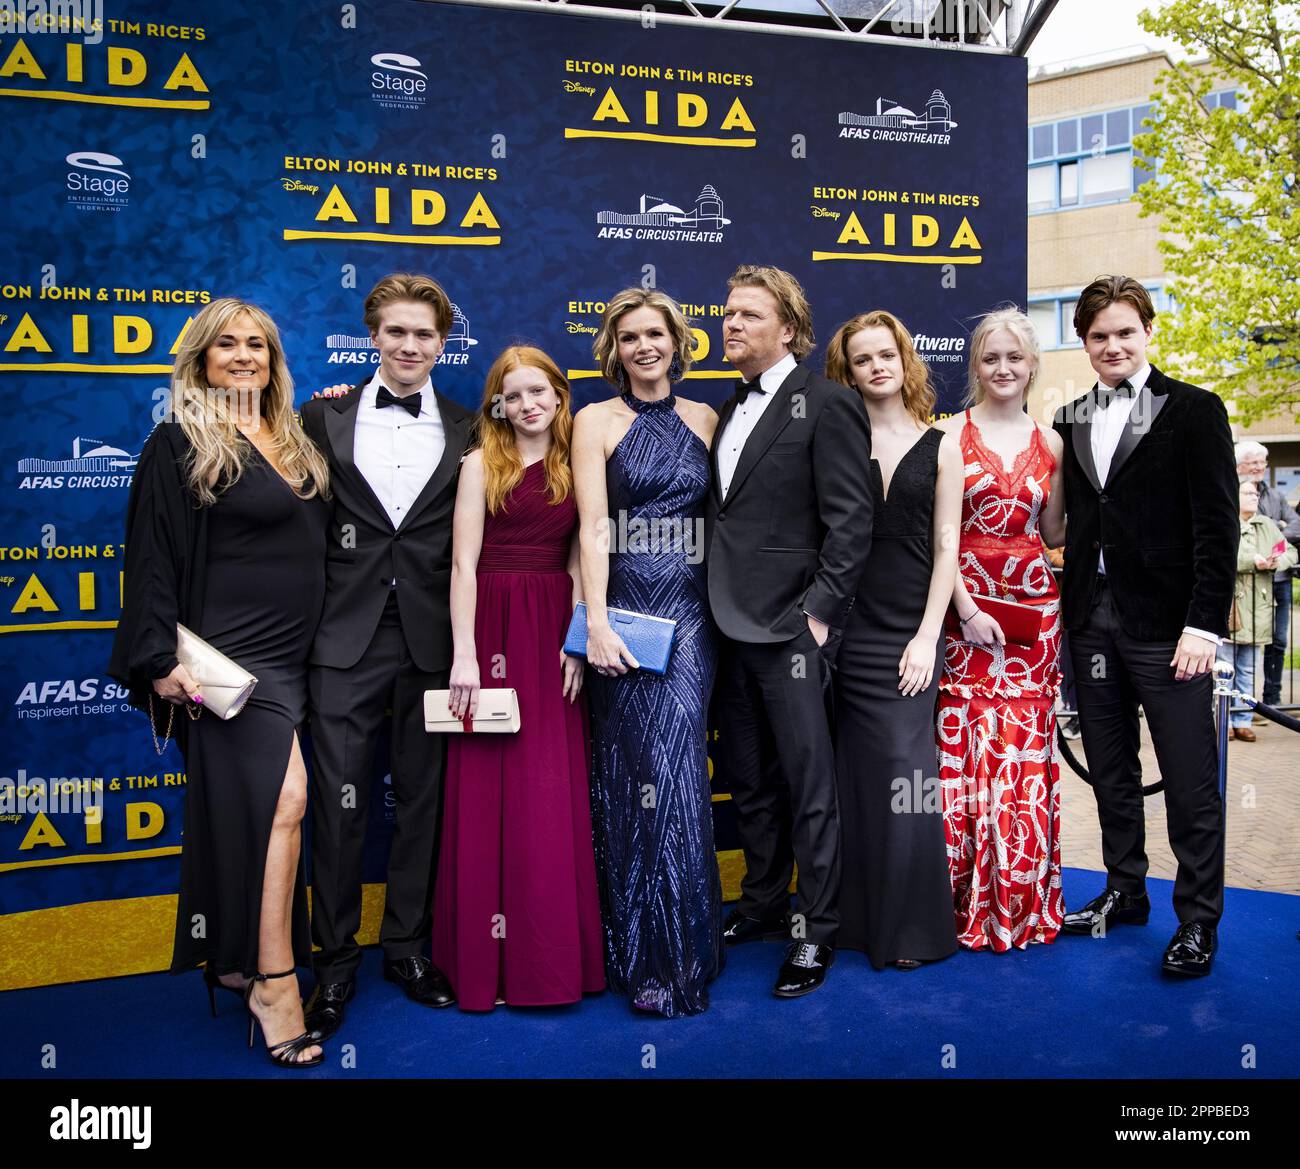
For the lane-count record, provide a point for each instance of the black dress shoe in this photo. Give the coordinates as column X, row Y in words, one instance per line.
column 803, row 970
column 422, row 981
column 324, row 1010
column 738, row 928
column 1113, row 908
column 1191, row 950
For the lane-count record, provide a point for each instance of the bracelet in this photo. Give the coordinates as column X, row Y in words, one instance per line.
column 968, row 620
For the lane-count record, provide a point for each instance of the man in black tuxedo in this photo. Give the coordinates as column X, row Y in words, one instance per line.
column 787, row 531
column 1150, row 563
column 394, row 445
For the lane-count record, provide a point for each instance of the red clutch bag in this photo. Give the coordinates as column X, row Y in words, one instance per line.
column 1021, row 624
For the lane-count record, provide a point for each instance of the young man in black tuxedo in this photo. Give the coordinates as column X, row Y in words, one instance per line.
column 787, row 532
column 1150, row 564
column 394, row 445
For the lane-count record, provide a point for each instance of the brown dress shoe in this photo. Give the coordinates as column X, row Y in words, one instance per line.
column 1245, row 734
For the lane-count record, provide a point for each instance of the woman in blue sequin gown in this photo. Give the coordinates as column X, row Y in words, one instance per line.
column 641, row 467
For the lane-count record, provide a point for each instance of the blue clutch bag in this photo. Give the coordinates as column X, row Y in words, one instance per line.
column 649, row 638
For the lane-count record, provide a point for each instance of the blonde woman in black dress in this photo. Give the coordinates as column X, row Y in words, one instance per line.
column 225, row 534
column 895, row 899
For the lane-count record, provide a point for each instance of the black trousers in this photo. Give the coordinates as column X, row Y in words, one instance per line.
column 775, row 748
column 348, row 709
column 1113, row 675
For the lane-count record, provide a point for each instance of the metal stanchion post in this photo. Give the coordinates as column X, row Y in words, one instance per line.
column 1223, row 674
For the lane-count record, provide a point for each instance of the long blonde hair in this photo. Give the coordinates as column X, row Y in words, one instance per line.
column 219, row 450
column 918, row 390
column 503, row 466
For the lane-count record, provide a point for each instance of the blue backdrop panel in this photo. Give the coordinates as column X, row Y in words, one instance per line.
column 534, row 162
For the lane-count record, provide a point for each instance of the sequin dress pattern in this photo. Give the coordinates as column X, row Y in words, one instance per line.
column 661, row 897
column 996, row 714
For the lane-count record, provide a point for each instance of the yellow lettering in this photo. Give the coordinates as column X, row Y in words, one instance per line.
column 335, row 207
column 20, row 62
column 74, row 69
column 143, row 820
column 80, row 330
column 126, row 66
column 737, row 118
column 34, row 596
column 427, row 208
column 42, row 832
column 27, row 336
column 609, row 108
column 185, row 75
column 925, row 230
column 131, row 334
column 692, row 109
column 381, row 205
column 853, row 232
column 479, row 214
column 966, row 237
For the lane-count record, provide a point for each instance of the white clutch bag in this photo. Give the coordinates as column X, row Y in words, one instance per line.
column 226, row 684
column 498, row 713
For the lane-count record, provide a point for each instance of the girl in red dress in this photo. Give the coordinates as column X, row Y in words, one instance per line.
column 996, row 720
column 516, row 914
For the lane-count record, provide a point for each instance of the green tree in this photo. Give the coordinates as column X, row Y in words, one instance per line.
column 1227, row 192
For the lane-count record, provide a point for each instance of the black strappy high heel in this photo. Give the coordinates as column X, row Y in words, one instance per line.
column 284, row 1054
column 214, row 984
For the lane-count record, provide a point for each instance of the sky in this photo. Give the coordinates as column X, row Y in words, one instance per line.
column 1085, row 31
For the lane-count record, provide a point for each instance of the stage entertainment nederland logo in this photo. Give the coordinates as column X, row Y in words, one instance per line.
column 350, row 350
column 93, row 464
column 893, row 122
column 664, row 222
column 397, row 82
column 97, row 181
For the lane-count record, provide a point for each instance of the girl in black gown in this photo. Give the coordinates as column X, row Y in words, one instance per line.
column 226, row 532
column 895, row 899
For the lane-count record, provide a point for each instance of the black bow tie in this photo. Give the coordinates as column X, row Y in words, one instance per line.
column 411, row 403
column 1106, row 395
column 746, row 388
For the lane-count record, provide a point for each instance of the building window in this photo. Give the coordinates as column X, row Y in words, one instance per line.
column 1042, row 314
column 1090, row 159
column 1042, row 187
column 1107, row 178
column 1069, row 184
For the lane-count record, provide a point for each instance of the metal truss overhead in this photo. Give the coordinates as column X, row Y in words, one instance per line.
column 1000, row 26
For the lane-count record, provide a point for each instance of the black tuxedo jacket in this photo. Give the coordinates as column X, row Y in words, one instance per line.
column 793, row 534
column 1166, row 516
column 366, row 553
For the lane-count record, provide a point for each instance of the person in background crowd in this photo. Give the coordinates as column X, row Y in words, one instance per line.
column 1152, row 532
column 787, row 533
column 1252, row 464
column 394, row 444
column 997, row 700
column 225, row 534
column 641, row 462
column 1258, row 559
column 895, row 900
column 516, row 916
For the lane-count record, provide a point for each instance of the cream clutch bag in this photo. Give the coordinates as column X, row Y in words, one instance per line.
column 498, row 713
column 226, row 685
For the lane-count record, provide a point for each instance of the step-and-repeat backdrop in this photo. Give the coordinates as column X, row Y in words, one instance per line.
column 158, row 154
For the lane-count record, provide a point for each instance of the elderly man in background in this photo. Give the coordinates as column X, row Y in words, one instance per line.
column 1252, row 464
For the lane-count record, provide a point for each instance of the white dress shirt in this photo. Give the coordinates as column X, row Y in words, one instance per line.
column 1108, row 425
column 741, row 424
column 395, row 452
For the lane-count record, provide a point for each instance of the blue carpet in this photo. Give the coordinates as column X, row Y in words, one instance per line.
column 1080, row 1007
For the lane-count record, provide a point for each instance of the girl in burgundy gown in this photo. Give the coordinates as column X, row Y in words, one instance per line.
column 516, row 915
